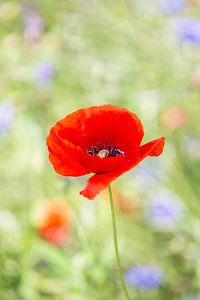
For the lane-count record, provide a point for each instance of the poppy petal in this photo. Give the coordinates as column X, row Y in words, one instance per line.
column 153, row 148
column 65, row 157
column 98, row 182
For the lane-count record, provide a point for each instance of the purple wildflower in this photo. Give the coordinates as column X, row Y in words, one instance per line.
column 189, row 31
column 33, row 23
column 44, row 73
column 165, row 210
column 6, row 116
column 170, row 7
column 144, row 277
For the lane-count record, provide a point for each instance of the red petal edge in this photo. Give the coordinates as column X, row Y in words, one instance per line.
column 153, row 148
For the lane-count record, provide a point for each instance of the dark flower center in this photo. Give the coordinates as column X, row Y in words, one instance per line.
column 105, row 150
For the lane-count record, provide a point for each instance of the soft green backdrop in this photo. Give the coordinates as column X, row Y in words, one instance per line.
column 58, row 56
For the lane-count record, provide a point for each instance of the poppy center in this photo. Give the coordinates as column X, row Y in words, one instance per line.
column 104, row 151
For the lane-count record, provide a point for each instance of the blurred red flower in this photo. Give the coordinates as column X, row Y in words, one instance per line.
column 174, row 117
column 53, row 222
column 104, row 140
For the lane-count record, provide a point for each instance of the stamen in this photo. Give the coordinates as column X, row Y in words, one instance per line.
column 105, row 150
column 103, row 153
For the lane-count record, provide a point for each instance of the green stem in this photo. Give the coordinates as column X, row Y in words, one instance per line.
column 116, row 245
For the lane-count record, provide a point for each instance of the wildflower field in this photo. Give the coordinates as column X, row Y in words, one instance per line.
column 138, row 63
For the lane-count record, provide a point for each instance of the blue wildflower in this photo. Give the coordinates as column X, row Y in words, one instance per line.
column 6, row 116
column 170, row 7
column 44, row 73
column 144, row 277
column 165, row 210
column 189, row 31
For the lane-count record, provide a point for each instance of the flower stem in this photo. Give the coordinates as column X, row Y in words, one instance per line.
column 116, row 245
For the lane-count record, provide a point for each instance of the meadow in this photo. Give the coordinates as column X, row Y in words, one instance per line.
column 57, row 57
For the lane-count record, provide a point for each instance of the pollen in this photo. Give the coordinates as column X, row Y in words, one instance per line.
column 103, row 153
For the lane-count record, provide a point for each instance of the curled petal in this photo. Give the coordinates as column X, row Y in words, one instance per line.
column 98, row 182
column 153, row 148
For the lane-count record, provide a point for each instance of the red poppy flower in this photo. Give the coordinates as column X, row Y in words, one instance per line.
column 53, row 222
column 105, row 140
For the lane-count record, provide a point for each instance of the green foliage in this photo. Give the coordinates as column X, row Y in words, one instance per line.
column 121, row 52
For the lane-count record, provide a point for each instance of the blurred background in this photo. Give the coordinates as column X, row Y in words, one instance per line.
column 58, row 56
